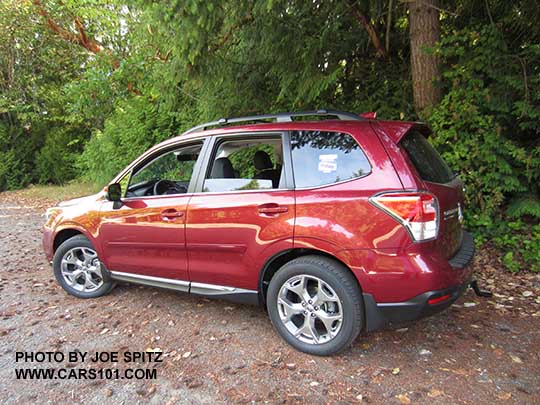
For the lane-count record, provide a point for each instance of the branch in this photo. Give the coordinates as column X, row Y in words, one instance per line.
column 245, row 21
column 90, row 44
column 388, row 26
column 365, row 22
column 162, row 58
column 79, row 39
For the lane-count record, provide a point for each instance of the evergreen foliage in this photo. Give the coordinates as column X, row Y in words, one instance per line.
column 78, row 106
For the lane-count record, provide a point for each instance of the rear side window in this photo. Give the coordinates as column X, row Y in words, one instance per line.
column 321, row 158
column 246, row 164
column 426, row 159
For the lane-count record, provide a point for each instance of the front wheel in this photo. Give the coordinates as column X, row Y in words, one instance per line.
column 78, row 270
column 315, row 304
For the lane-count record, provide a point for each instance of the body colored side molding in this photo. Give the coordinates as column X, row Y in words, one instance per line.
column 239, row 295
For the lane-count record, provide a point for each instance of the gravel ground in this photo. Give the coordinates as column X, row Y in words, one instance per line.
column 479, row 351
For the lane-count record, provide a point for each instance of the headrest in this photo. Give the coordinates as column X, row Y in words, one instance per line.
column 222, row 169
column 262, row 161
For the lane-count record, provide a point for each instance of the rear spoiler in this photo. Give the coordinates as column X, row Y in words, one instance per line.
column 396, row 130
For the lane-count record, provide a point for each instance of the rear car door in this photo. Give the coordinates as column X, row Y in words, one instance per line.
column 242, row 211
column 146, row 235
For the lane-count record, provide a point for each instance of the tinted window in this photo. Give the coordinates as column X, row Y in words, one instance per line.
column 325, row 158
column 426, row 159
column 245, row 164
column 175, row 165
column 168, row 173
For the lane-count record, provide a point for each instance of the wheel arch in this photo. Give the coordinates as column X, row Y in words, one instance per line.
column 68, row 232
column 274, row 263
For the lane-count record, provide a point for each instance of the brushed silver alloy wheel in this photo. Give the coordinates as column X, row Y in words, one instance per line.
column 310, row 309
column 81, row 269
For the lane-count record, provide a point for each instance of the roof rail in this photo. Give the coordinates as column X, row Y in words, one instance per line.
column 279, row 117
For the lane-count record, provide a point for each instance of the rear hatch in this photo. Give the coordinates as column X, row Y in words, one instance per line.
column 437, row 178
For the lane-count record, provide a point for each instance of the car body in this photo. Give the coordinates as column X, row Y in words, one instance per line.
column 228, row 236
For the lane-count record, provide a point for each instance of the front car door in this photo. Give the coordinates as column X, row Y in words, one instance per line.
column 242, row 212
column 144, row 238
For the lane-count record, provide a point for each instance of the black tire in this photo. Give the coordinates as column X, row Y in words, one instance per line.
column 79, row 241
column 344, row 284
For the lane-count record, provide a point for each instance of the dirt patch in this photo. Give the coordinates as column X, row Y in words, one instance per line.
column 480, row 350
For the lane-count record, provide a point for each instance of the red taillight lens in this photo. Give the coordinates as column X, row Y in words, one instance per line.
column 418, row 212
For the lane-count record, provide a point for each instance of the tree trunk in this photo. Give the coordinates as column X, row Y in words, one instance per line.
column 424, row 33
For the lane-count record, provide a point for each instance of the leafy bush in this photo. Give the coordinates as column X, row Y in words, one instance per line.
column 135, row 126
column 55, row 162
column 475, row 129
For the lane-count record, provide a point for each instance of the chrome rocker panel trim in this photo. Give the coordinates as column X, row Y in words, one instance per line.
column 239, row 295
column 170, row 284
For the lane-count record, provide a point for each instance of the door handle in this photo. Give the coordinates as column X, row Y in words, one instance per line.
column 272, row 209
column 171, row 214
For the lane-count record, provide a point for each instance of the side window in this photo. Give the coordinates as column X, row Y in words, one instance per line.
column 168, row 173
column 245, row 164
column 326, row 157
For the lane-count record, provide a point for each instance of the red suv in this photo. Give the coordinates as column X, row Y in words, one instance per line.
column 335, row 225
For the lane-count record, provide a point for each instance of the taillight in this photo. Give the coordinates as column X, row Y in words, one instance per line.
column 418, row 212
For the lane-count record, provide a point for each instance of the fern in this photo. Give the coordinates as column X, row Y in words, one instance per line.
column 528, row 204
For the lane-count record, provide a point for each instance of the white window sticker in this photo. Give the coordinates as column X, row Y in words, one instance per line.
column 327, row 163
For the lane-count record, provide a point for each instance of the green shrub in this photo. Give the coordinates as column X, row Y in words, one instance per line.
column 475, row 128
column 55, row 162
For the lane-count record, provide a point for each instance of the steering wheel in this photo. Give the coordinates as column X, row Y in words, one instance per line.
column 168, row 187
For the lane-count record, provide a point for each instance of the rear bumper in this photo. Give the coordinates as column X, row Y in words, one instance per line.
column 379, row 315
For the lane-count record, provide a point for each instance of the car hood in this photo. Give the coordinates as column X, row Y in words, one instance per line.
column 81, row 200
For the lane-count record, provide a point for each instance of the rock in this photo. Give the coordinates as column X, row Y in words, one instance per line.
column 504, row 328
column 527, row 293
column 314, row 384
column 172, row 401
column 194, row 384
column 229, row 370
column 239, row 365
column 403, row 398
column 516, row 359
column 469, row 304
column 424, row 352
column 291, row 366
column 186, row 355
column 505, row 396
column 434, row 393
column 108, row 392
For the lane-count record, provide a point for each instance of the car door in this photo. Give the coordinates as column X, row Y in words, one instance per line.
column 146, row 235
column 240, row 215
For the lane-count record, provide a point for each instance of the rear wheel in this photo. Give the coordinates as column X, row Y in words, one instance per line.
column 315, row 304
column 78, row 269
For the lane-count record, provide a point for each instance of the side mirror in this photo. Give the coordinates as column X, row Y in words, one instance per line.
column 114, row 192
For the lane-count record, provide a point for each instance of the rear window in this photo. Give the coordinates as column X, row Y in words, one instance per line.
column 426, row 159
column 321, row 158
